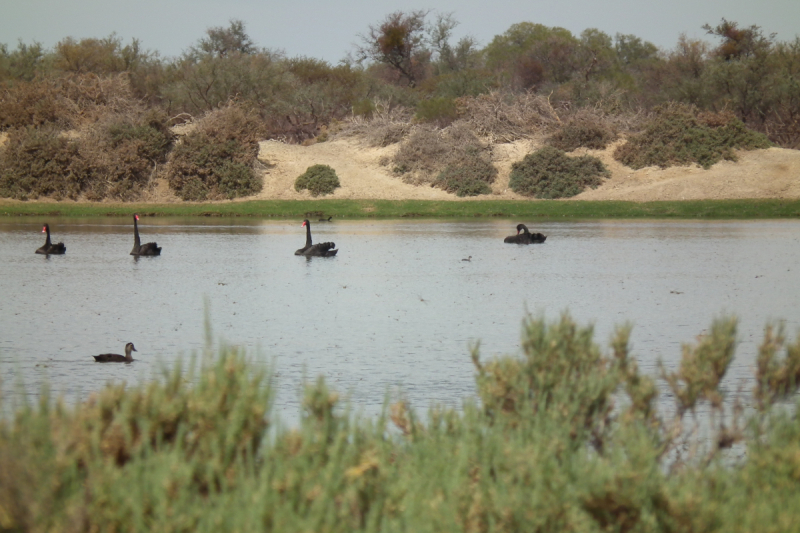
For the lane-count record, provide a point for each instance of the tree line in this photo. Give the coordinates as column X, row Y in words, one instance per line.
column 411, row 59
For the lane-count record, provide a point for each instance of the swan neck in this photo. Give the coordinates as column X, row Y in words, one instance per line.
column 308, row 233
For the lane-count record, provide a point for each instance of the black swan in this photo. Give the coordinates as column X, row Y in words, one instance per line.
column 526, row 237
column 115, row 357
column 150, row 248
column 50, row 248
column 323, row 249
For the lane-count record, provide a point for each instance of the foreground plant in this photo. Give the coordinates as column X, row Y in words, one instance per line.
column 566, row 437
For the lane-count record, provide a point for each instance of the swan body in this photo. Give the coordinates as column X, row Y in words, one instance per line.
column 323, row 249
column 115, row 357
column 526, row 237
column 48, row 247
column 149, row 248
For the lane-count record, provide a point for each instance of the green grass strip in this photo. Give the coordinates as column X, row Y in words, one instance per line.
column 555, row 209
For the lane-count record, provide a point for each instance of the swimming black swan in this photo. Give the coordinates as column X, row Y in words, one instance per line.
column 50, row 248
column 526, row 237
column 323, row 249
column 150, row 248
column 115, row 357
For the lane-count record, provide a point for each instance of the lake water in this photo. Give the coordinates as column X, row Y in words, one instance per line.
column 396, row 309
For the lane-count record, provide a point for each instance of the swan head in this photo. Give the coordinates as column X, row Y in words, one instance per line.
column 135, row 216
column 44, row 228
column 305, row 223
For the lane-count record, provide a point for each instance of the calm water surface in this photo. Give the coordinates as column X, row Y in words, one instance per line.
column 396, row 309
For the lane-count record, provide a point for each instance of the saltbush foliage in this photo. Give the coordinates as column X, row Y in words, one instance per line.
column 470, row 176
column 585, row 130
column 565, row 436
column 681, row 135
column 319, row 180
column 550, row 173
column 217, row 159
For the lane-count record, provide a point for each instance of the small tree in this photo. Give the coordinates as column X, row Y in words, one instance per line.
column 398, row 41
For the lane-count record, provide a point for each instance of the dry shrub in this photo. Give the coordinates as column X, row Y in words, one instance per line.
column 217, row 159
column 385, row 125
column 66, row 102
column 505, row 117
column 585, row 129
column 469, row 176
column 429, row 151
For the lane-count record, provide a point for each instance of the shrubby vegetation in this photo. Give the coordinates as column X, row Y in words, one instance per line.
column 319, row 180
column 680, row 135
column 217, row 158
column 407, row 74
column 565, row 436
column 550, row 173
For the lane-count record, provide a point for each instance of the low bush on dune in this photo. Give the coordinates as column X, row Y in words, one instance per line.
column 550, row 173
column 218, row 159
column 564, row 437
column 584, row 130
column 114, row 158
column 679, row 134
column 470, row 176
column 319, row 180
column 453, row 159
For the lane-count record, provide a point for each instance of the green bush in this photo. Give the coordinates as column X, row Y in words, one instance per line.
column 564, row 436
column 440, row 111
column 470, row 176
column 585, row 130
column 221, row 153
column 679, row 134
column 40, row 162
column 318, row 179
column 550, row 173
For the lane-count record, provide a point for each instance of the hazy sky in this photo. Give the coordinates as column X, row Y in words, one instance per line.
column 328, row 29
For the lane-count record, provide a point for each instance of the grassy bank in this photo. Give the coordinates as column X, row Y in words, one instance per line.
column 554, row 209
column 565, row 437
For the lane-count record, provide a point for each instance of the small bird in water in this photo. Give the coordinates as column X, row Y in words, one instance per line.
column 467, row 258
column 115, row 357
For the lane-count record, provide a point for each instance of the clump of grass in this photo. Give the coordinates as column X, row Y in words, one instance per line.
column 584, row 130
column 550, row 173
column 681, row 135
column 319, row 180
column 218, row 159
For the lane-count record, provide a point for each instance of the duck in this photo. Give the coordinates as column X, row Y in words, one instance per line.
column 150, row 248
column 48, row 247
column 526, row 237
column 115, row 357
column 324, row 249
column 326, row 219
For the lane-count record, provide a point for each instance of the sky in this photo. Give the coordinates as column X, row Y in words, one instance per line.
column 329, row 30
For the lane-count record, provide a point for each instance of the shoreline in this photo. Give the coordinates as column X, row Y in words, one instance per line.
column 355, row 209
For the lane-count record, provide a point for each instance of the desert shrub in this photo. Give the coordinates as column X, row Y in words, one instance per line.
column 584, row 130
column 318, row 179
column 506, row 117
column 679, row 134
column 470, row 176
column 38, row 162
column 221, row 153
column 33, row 103
column 427, row 151
column 439, row 111
column 382, row 125
column 550, row 173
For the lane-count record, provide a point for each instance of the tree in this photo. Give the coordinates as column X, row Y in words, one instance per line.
column 399, row 41
column 224, row 42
